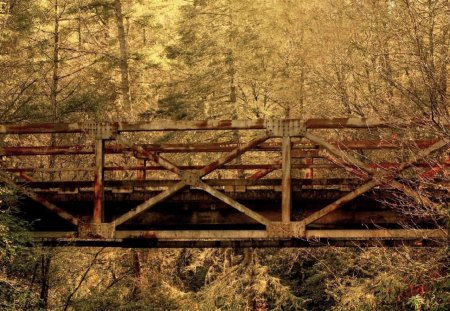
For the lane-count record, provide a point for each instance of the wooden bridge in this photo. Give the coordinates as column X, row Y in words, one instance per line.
column 265, row 183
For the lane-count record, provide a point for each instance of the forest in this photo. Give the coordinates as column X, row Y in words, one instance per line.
column 143, row 60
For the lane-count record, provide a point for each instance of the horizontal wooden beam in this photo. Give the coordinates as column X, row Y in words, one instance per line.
column 213, row 182
column 130, row 184
column 299, row 149
column 230, row 243
column 378, row 234
column 255, row 166
column 223, row 215
column 217, row 235
column 169, row 125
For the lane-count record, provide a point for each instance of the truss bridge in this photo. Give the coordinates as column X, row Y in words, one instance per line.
column 240, row 183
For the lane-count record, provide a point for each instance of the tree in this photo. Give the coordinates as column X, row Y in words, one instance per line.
column 123, row 60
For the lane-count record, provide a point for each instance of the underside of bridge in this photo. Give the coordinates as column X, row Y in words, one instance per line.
column 283, row 183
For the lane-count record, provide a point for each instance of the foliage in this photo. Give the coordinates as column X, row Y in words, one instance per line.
column 14, row 246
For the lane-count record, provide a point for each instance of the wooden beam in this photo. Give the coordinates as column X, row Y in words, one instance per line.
column 338, row 203
column 150, row 155
column 181, row 125
column 232, row 155
column 149, row 203
column 217, row 235
column 378, row 234
column 299, row 149
column 242, row 208
column 374, row 180
column 32, row 195
column 99, row 200
column 286, row 191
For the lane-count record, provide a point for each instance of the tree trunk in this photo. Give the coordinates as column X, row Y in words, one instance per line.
column 123, row 61
column 45, row 267
column 54, row 85
column 26, row 305
column 137, row 290
column 232, row 73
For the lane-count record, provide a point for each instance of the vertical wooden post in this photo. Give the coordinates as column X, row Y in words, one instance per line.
column 142, row 174
column 99, row 200
column 309, row 172
column 286, row 200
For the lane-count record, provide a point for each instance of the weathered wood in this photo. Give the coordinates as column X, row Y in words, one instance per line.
column 99, row 200
column 235, row 204
column 375, row 180
column 206, row 213
column 299, row 149
column 218, row 235
column 169, row 125
column 378, row 234
column 41, row 200
column 232, row 155
column 149, row 203
column 286, row 189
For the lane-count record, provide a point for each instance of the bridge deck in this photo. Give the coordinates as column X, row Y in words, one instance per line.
column 287, row 183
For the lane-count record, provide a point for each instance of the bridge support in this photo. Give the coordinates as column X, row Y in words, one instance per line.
column 286, row 200
column 207, row 213
column 99, row 200
column 142, row 174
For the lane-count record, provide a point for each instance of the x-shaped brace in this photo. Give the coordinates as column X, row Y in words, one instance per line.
column 192, row 179
column 374, row 178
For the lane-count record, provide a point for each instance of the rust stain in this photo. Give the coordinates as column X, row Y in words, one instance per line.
column 201, row 124
column 98, row 200
column 226, row 123
column 149, row 235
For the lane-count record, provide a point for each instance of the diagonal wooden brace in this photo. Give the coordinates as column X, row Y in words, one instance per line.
column 263, row 172
column 232, row 155
column 219, row 195
column 343, row 156
column 341, row 201
column 150, row 203
column 350, row 168
column 34, row 196
column 150, row 155
column 187, row 178
column 420, row 199
column 430, row 173
column 375, row 180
